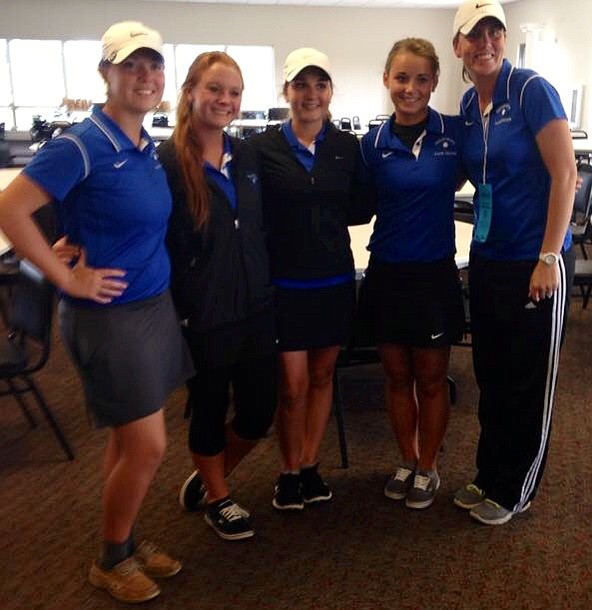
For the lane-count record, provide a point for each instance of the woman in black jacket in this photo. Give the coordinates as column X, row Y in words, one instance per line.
column 221, row 287
column 308, row 172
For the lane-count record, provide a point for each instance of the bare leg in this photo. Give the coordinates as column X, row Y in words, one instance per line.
column 139, row 447
column 400, row 397
column 236, row 449
column 321, row 366
column 214, row 469
column 431, row 367
column 291, row 411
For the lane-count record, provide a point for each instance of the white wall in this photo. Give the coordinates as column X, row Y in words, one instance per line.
column 356, row 40
column 569, row 22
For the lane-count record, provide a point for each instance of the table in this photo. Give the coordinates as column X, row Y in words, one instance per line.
column 360, row 236
column 466, row 192
column 7, row 175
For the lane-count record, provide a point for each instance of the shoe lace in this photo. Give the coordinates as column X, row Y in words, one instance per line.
column 421, row 482
column 129, row 566
column 402, row 473
column 147, row 548
column 232, row 512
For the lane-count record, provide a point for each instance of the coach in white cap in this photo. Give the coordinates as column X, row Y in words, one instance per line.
column 518, row 154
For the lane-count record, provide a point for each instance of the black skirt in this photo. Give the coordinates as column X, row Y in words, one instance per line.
column 314, row 317
column 414, row 304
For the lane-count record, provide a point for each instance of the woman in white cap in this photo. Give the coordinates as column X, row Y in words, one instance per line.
column 221, row 286
column 518, row 154
column 307, row 177
column 116, row 315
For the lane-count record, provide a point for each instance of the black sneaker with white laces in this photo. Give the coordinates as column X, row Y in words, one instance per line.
column 288, row 492
column 314, row 489
column 192, row 494
column 228, row 520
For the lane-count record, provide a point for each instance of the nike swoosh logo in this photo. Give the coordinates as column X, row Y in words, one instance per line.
column 338, row 157
column 469, row 123
column 119, row 164
column 434, row 337
column 387, row 154
column 530, row 305
column 485, row 4
column 134, row 34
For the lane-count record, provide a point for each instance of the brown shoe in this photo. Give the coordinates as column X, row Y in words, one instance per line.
column 154, row 562
column 125, row 581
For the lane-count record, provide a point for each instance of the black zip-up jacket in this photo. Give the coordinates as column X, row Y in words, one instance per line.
column 308, row 213
column 220, row 274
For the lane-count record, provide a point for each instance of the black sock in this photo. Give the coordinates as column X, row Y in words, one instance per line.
column 131, row 542
column 114, row 553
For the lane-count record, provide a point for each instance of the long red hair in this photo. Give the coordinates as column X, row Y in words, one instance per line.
column 188, row 148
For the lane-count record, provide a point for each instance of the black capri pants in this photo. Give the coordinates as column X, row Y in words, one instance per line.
column 244, row 373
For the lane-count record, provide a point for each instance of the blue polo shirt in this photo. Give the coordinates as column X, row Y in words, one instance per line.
column 223, row 177
column 414, row 190
column 306, row 156
column 112, row 199
column 503, row 152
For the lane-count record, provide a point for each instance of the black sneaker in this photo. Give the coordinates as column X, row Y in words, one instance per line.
column 314, row 489
column 228, row 520
column 288, row 493
column 192, row 494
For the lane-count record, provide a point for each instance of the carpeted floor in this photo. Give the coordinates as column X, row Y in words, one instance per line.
column 360, row 552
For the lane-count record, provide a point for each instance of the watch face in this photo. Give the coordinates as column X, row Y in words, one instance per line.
column 550, row 259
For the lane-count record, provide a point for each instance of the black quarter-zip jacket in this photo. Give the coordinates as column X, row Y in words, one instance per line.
column 219, row 274
column 308, row 213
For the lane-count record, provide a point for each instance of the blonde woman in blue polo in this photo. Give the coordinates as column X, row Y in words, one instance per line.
column 519, row 156
column 411, row 293
column 116, row 316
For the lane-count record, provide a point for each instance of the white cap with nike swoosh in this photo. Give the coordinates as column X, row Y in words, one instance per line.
column 125, row 37
column 469, row 14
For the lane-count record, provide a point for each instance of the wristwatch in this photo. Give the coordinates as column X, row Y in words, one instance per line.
column 549, row 258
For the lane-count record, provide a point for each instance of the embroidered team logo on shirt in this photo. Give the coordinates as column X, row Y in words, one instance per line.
column 445, row 147
column 502, row 114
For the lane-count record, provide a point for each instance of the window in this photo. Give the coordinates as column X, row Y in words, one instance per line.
column 36, row 84
column 6, row 115
column 256, row 64
column 36, row 76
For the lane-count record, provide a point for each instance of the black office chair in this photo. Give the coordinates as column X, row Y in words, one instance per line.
column 580, row 220
column 583, row 279
column 25, row 349
column 464, row 211
column 345, row 124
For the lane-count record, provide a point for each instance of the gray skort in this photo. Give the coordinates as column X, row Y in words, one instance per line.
column 130, row 356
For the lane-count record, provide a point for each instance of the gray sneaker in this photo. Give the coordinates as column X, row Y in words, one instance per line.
column 492, row 513
column 469, row 496
column 423, row 492
column 400, row 482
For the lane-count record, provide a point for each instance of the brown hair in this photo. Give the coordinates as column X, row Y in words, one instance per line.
column 188, row 148
column 417, row 46
column 319, row 72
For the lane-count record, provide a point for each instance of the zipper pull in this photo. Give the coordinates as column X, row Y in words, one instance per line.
column 312, row 180
column 236, row 223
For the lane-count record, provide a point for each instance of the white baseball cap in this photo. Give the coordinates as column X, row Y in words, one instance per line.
column 303, row 58
column 469, row 14
column 123, row 38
